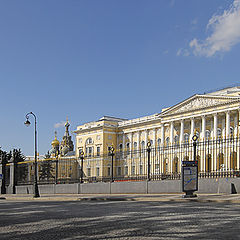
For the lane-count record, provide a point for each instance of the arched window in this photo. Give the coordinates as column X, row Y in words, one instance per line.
column 128, row 148
column 176, row 140
column 186, row 138
column 231, row 132
column 219, row 133
column 198, row 135
column 142, row 146
column 207, row 135
column 89, row 141
column 135, row 147
column 159, row 141
column 120, row 147
column 167, row 141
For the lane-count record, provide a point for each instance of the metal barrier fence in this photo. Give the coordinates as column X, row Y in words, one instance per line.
column 216, row 158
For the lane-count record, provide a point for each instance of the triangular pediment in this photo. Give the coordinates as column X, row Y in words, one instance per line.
column 197, row 102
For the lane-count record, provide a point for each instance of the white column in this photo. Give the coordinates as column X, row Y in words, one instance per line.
column 227, row 124
column 162, row 135
column 215, row 124
column 203, row 133
column 227, row 151
column 138, row 142
column 223, row 128
column 171, row 133
column 182, row 131
column 131, row 142
column 146, row 138
column 235, row 125
column 154, row 137
column 192, row 128
column 123, row 143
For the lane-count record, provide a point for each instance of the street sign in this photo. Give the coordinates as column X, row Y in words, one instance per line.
column 189, row 176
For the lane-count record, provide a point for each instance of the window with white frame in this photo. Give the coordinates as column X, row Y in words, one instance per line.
column 89, row 172
column 142, row 146
column 167, row 141
column 98, row 151
column 126, row 170
column 97, row 171
column 186, row 138
column 207, row 135
column 119, row 171
column 219, row 133
column 128, row 148
column 89, row 141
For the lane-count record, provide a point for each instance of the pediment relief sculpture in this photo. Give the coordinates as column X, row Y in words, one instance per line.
column 199, row 103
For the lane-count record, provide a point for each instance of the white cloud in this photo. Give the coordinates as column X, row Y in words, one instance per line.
column 225, row 33
column 183, row 52
column 58, row 125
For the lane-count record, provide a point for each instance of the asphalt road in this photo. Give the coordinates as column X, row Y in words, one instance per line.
column 118, row 220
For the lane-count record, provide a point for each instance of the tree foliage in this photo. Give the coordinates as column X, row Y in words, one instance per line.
column 46, row 168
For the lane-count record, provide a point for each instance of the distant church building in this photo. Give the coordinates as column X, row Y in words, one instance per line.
column 66, row 147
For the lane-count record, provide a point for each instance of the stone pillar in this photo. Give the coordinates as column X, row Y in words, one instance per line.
column 235, row 125
column 146, row 138
column 162, row 135
column 215, row 124
column 123, row 144
column 12, row 184
column 203, row 138
column 192, row 129
column 181, row 132
column 131, row 144
column 171, row 133
column 154, row 137
column 227, row 135
column 227, row 124
column 138, row 142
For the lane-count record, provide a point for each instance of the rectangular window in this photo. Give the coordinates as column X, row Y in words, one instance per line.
column 133, row 170
column 126, row 170
column 98, row 151
column 97, row 171
column 89, row 172
column 109, row 171
column 141, row 169
column 90, row 151
column 119, row 171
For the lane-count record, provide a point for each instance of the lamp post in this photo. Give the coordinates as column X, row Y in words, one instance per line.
column 195, row 138
column 111, row 153
column 27, row 123
column 149, row 166
column 81, row 154
column 56, row 172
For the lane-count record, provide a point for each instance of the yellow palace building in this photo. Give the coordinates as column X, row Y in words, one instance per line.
column 213, row 117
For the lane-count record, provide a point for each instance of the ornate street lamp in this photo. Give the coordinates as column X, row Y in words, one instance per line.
column 35, row 185
column 111, row 153
column 149, row 166
column 195, row 138
column 81, row 154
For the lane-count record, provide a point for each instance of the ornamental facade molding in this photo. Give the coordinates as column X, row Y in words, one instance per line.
column 200, row 102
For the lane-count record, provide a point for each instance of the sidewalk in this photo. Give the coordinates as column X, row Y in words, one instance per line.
column 224, row 198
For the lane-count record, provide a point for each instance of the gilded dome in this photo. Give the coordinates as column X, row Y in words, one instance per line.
column 55, row 142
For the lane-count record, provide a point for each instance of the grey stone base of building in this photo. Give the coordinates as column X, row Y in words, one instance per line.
column 221, row 185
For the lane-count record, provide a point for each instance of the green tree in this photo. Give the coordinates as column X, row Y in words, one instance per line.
column 21, row 168
column 46, row 168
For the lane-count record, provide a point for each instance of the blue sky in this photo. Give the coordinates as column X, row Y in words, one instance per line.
column 86, row 59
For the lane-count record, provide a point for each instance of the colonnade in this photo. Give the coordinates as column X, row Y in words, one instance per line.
column 218, row 125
